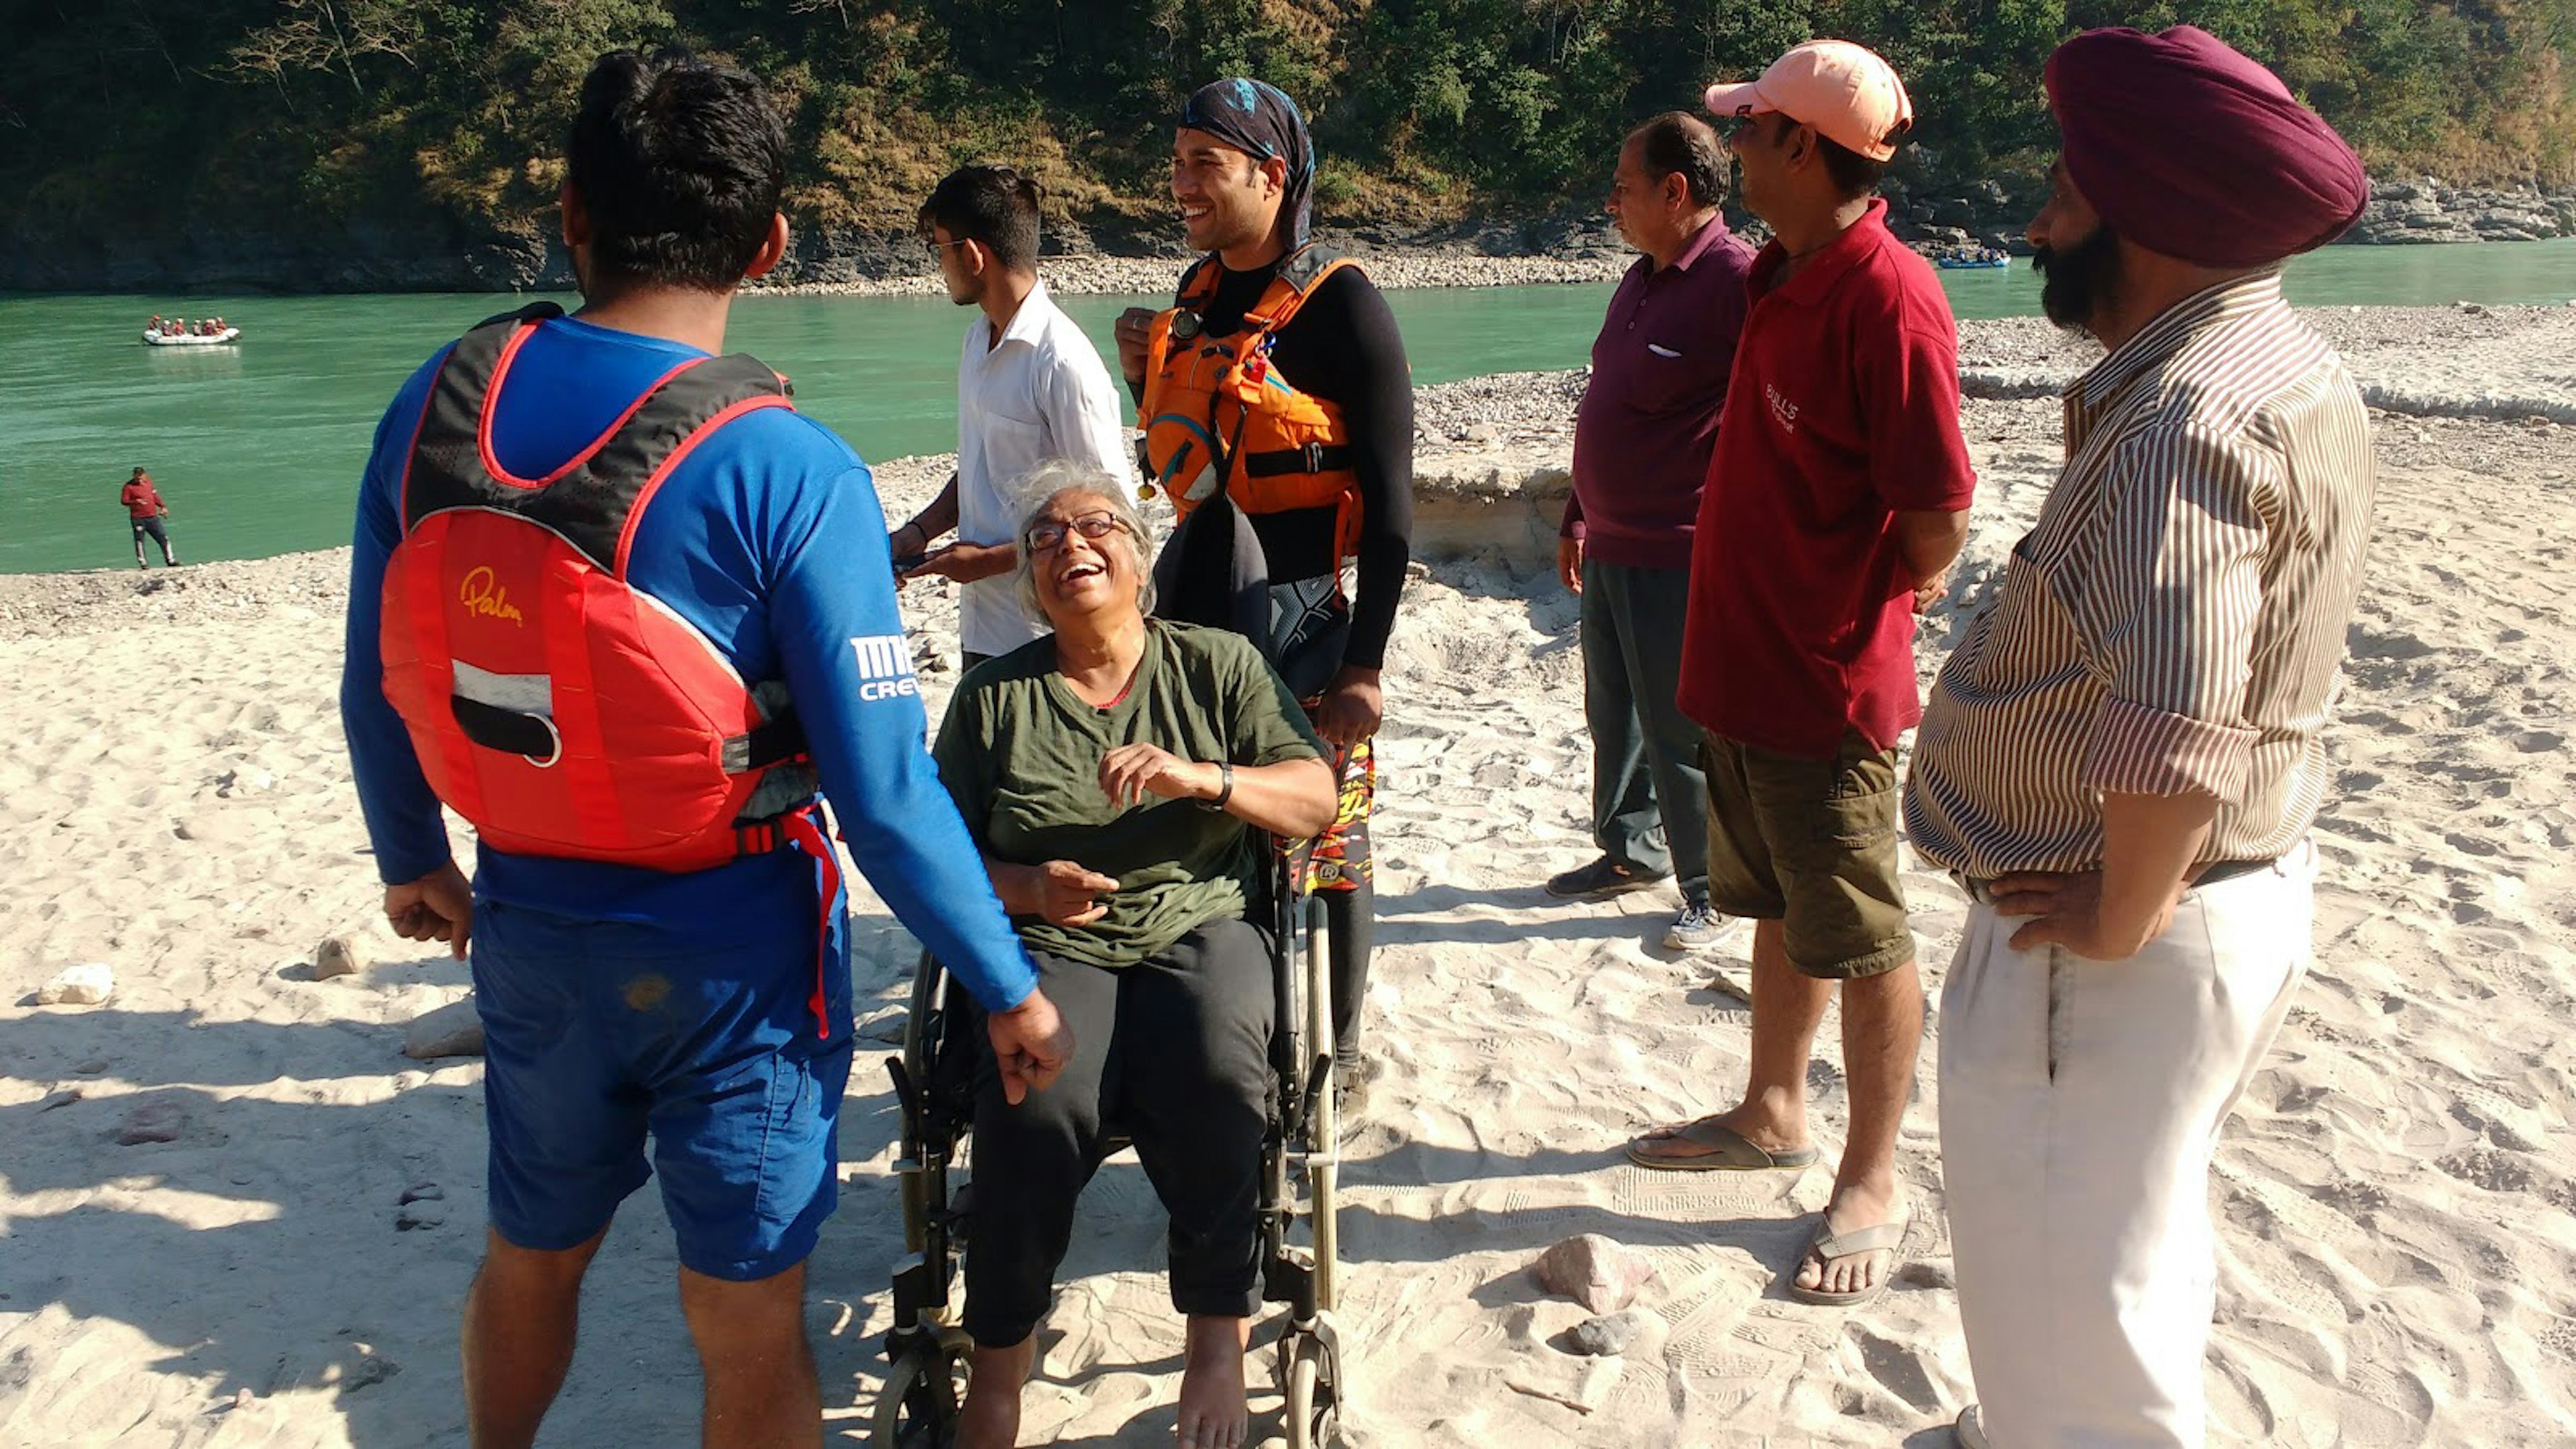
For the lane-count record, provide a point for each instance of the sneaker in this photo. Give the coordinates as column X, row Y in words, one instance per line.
column 1603, row 877
column 1699, row 925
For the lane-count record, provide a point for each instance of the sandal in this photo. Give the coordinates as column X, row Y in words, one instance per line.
column 1734, row 1151
column 1828, row 1246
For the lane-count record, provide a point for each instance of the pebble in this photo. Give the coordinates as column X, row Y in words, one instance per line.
column 151, row 1122
column 1593, row 1271
column 452, row 1030
column 371, row 1368
column 336, row 956
column 85, row 984
column 1617, row 1333
column 244, row 782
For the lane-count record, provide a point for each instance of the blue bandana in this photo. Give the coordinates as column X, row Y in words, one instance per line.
column 1258, row 119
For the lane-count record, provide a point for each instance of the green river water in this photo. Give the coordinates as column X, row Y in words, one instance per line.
column 258, row 446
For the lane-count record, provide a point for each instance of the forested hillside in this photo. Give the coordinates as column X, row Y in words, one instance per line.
column 136, row 129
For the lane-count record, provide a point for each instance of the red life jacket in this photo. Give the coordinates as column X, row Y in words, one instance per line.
column 559, row 708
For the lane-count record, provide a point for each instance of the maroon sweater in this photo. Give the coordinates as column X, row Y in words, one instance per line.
column 1648, row 424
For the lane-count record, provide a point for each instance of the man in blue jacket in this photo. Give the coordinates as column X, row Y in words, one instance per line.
column 705, row 1008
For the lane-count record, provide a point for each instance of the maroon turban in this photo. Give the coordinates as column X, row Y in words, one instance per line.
column 2187, row 147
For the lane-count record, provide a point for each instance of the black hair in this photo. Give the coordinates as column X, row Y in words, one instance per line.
column 993, row 205
column 1854, row 174
column 680, row 162
column 1679, row 142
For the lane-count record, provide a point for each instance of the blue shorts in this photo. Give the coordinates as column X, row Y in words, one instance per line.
column 599, row 1033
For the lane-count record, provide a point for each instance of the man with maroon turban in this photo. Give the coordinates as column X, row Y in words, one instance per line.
column 2122, row 757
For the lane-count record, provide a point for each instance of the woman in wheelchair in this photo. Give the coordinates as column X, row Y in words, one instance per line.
column 1119, row 778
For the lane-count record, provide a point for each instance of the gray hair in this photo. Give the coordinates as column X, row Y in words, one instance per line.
column 1051, row 481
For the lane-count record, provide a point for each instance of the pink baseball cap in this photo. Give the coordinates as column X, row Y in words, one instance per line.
column 1844, row 90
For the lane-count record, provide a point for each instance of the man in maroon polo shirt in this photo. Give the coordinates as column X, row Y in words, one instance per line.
column 1642, row 441
column 1843, row 485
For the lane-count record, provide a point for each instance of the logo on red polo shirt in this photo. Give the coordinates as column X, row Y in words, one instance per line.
column 1783, row 410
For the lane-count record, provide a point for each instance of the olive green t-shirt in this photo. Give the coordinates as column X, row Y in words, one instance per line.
column 1020, row 752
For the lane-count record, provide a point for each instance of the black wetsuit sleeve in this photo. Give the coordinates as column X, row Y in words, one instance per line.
column 1372, row 382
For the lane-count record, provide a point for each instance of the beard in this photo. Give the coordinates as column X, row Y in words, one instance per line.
column 2079, row 282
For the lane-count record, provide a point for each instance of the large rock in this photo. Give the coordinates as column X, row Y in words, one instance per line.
column 452, row 1030
column 85, row 984
column 1593, row 1271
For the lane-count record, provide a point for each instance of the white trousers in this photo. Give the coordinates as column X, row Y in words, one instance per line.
column 2080, row 1103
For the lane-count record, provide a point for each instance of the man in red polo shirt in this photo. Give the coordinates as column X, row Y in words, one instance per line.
column 1839, row 490
column 145, row 510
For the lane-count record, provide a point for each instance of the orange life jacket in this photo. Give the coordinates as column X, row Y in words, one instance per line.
column 1215, row 410
column 559, row 708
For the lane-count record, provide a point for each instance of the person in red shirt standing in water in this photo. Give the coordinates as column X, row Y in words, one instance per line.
column 145, row 510
column 1838, row 496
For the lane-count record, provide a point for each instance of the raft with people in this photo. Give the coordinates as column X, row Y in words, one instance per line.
column 213, row 332
column 1974, row 260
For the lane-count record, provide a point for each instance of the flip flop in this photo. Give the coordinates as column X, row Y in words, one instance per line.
column 1734, row 1151
column 1827, row 1246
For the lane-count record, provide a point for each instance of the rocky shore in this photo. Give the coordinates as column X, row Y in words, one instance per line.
column 1571, row 244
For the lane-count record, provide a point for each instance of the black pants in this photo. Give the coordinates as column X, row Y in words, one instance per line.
column 1175, row 1053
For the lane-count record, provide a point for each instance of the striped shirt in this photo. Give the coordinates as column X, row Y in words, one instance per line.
column 2174, row 622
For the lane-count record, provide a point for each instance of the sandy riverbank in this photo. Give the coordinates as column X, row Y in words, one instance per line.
column 2398, row 1258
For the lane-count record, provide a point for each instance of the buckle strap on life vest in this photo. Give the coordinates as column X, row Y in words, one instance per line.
column 769, row 742
column 806, row 835
column 511, row 731
column 1312, row 458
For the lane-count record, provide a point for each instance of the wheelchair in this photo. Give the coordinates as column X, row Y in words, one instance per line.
column 934, row 1081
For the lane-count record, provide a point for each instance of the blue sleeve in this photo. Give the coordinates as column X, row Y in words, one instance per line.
column 403, row 823
column 841, row 643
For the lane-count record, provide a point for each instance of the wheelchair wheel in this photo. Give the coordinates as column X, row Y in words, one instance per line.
column 919, row 1407
column 1310, row 1417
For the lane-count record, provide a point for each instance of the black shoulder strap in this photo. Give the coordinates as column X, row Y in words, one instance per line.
column 589, row 505
column 1189, row 291
column 533, row 312
column 1308, row 263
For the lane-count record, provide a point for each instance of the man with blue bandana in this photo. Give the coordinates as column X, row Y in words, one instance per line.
column 1243, row 175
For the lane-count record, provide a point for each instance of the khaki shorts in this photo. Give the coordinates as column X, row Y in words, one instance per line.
column 1810, row 844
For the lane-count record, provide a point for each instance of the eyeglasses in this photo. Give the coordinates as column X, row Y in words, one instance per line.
column 1048, row 536
column 936, row 246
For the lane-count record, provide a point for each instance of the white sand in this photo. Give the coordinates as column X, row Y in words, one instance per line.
column 2398, row 1261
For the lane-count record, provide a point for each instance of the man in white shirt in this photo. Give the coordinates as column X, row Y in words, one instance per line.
column 1031, row 389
